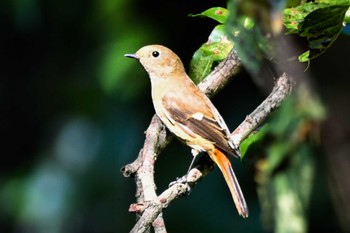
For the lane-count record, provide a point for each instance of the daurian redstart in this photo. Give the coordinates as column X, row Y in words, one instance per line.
column 189, row 114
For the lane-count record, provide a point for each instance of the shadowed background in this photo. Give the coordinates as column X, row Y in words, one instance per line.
column 73, row 112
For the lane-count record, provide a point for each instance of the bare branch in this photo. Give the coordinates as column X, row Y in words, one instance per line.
column 221, row 75
column 179, row 188
column 281, row 90
column 143, row 169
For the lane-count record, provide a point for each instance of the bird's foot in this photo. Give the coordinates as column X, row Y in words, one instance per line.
column 183, row 180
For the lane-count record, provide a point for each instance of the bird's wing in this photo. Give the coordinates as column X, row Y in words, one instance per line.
column 197, row 116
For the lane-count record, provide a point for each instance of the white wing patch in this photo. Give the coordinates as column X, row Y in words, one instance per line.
column 198, row 116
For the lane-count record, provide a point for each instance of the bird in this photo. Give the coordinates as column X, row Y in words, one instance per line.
column 189, row 114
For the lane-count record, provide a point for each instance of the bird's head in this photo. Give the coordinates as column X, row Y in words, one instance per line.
column 158, row 60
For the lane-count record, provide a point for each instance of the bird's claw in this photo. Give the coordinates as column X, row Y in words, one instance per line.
column 178, row 180
column 182, row 180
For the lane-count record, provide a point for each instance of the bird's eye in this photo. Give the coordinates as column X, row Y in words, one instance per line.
column 155, row 54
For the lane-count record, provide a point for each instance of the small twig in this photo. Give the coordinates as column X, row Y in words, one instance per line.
column 281, row 90
column 143, row 168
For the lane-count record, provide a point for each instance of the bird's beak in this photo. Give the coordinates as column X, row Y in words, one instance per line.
column 131, row 55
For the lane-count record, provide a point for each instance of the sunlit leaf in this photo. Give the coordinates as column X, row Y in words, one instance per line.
column 304, row 57
column 209, row 54
column 347, row 16
column 217, row 13
column 346, row 24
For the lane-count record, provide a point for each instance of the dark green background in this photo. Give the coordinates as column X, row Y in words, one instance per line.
column 73, row 112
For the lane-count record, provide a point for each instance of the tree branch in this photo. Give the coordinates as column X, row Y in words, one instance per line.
column 142, row 169
column 283, row 87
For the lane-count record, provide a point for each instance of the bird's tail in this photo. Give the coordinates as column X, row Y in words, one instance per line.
column 225, row 166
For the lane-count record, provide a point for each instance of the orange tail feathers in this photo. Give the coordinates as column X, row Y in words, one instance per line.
column 225, row 166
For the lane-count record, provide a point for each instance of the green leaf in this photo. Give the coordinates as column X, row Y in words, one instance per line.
column 323, row 22
column 319, row 22
column 347, row 16
column 217, row 13
column 254, row 138
column 334, row 2
column 214, row 51
column 304, row 57
column 293, row 3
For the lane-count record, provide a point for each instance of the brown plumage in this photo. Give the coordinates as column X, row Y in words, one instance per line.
column 189, row 114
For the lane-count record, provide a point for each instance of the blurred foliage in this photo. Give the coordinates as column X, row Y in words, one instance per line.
column 251, row 40
column 62, row 89
column 285, row 165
